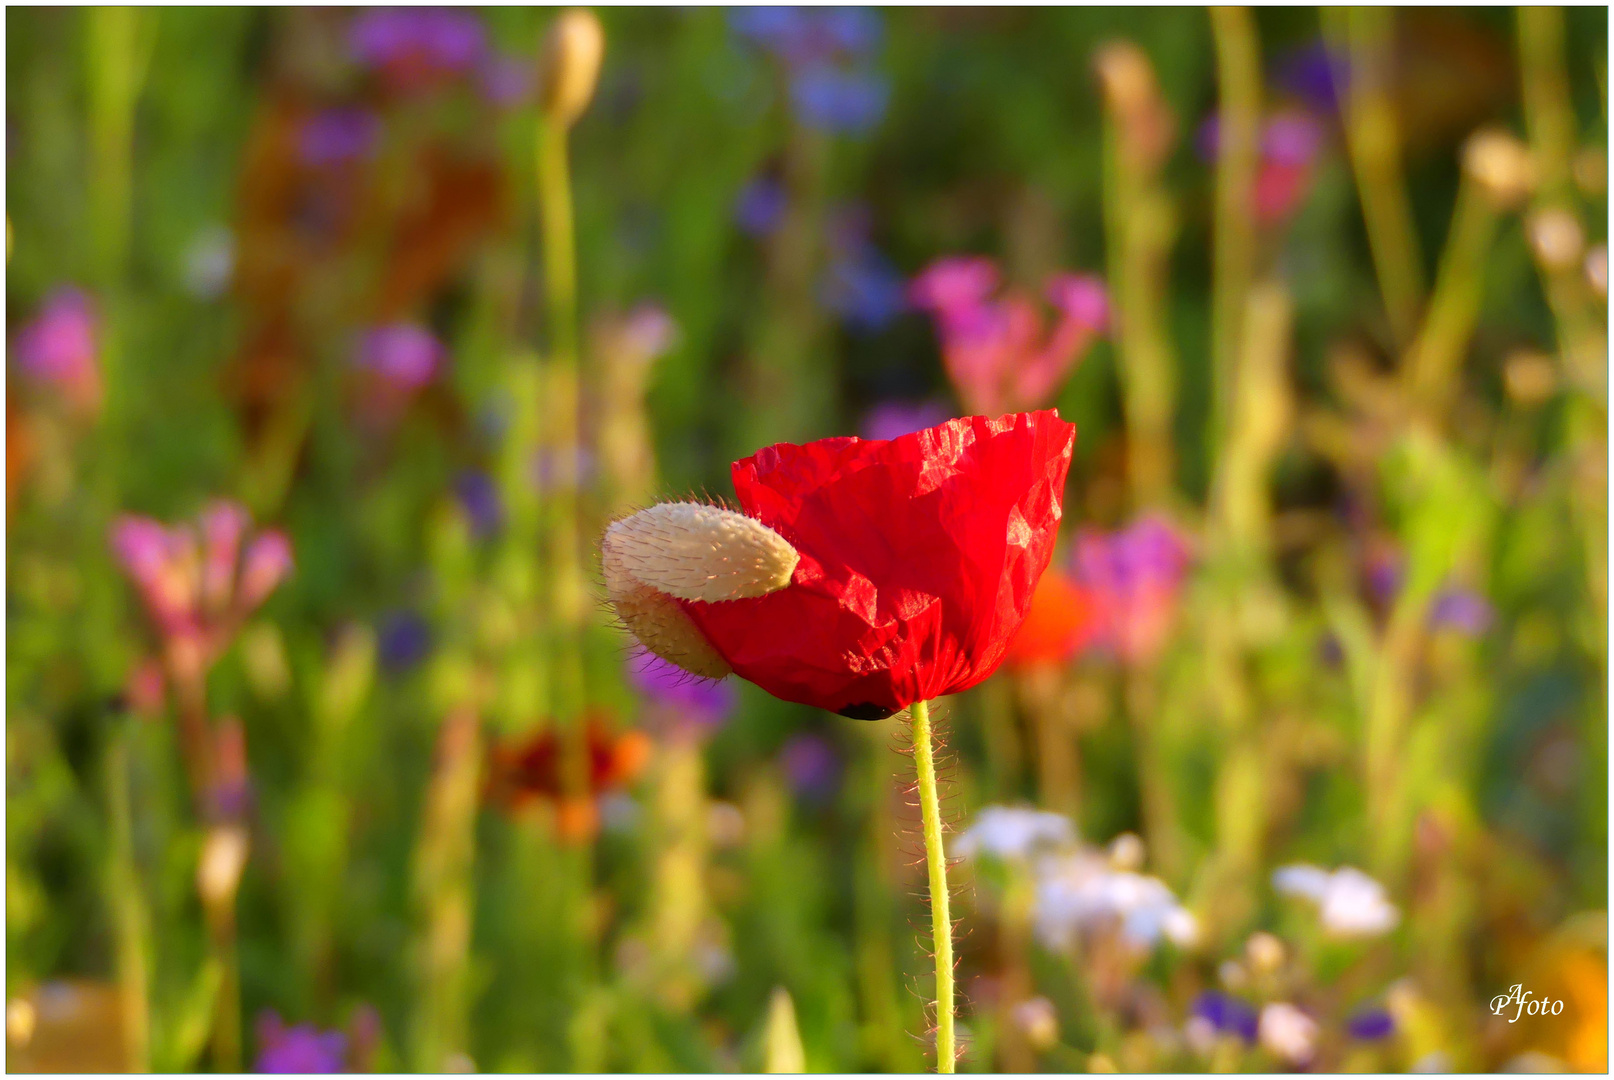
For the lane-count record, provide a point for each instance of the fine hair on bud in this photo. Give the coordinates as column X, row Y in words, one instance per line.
column 570, row 65
column 692, row 551
column 658, row 622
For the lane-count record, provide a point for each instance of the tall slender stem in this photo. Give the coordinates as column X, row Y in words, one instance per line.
column 131, row 921
column 941, row 923
column 1238, row 83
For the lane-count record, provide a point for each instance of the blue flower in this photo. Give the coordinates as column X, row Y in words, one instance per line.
column 480, row 500
column 1371, row 1025
column 1227, row 1014
column 830, row 99
column 403, row 640
column 761, row 206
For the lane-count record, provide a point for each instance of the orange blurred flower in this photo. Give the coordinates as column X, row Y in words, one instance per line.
column 1061, row 622
column 523, row 771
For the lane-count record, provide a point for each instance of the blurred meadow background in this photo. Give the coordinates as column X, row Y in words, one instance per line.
column 336, row 337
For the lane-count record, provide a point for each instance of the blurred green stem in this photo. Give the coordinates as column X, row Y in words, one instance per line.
column 1435, row 359
column 1140, row 226
column 227, row 1007
column 130, row 919
column 444, row 890
column 1548, row 114
column 941, row 922
column 1365, row 36
column 1238, row 70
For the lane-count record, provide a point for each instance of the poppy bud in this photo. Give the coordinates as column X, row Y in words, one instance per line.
column 692, row 551
column 1501, row 165
column 659, row 623
column 571, row 65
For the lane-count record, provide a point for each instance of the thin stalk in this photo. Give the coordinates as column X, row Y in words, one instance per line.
column 941, row 923
column 130, row 919
column 1436, row 357
column 227, row 1008
column 1374, row 142
column 1238, row 82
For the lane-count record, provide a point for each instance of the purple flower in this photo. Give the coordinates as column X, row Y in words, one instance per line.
column 58, row 348
column 834, row 100
column 403, row 640
column 1312, row 74
column 702, row 702
column 889, row 419
column 761, row 206
column 812, row 766
column 1291, row 138
column 1135, row 577
column 336, row 137
column 1227, row 1014
column 299, row 1049
column 415, row 48
column 479, row 498
column 404, row 355
column 1371, row 1025
column 506, row 81
column 1461, row 609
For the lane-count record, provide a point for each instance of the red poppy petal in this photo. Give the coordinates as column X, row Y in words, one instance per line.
column 919, row 559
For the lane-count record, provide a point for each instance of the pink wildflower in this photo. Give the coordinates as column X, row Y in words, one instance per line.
column 59, row 349
column 1000, row 355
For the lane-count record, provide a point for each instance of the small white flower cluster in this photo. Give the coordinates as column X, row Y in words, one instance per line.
column 1014, row 832
column 1078, row 888
column 1349, row 902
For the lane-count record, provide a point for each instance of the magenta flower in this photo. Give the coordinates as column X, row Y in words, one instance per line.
column 1000, row 355
column 678, row 697
column 1135, row 579
column 404, row 356
column 337, row 136
column 58, row 349
column 890, row 419
column 188, row 579
column 1290, row 142
column 300, row 1049
column 417, row 48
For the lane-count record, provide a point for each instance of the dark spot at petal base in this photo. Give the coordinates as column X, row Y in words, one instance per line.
column 866, row 711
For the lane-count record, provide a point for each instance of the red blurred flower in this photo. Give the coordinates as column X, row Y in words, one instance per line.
column 523, row 771
column 918, row 560
column 1063, row 621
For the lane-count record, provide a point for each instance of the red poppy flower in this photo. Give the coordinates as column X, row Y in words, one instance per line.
column 912, row 563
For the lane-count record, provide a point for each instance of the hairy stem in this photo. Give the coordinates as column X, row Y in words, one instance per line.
column 941, row 923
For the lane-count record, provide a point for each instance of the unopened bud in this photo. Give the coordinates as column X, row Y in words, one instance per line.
column 1126, row 77
column 571, row 65
column 1531, row 377
column 1501, row 165
column 659, row 623
column 1556, row 238
column 224, row 856
column 266, row 563
column 1126, row 852
column 692, row 551
column 1265, row 952
column 1597, row 270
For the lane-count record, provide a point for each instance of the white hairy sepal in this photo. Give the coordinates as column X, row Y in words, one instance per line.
column 692, row 551
column 688, row 551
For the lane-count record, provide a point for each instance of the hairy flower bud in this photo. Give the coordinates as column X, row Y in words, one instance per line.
column 1501, row 165
column 224, row 856
column 571, row 65
column 658, row 622
column 692, row 551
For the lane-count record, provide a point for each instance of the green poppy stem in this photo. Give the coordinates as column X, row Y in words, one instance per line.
column 941, row 923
